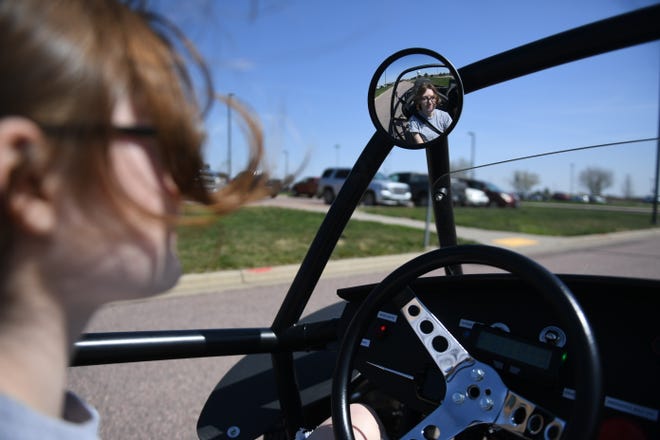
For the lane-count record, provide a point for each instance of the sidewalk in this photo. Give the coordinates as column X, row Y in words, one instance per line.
column 526, row 244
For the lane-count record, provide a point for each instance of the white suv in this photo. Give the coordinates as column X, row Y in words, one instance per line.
column 381, row 190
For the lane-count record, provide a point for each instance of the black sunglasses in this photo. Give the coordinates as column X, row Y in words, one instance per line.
column 135, row 130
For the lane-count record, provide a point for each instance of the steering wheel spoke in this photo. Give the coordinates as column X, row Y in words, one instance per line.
column 440, row 424
column 527, row 419
column 442, row 346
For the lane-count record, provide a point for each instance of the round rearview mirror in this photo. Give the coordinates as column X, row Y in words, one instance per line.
column 415, row 98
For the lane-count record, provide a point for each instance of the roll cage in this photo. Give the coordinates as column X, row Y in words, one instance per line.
column 286, row 335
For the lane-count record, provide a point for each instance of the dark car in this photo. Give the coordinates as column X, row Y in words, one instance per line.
column 562, row 196
column 496, row 196
column 418, row 183
column 305, row 187
column 273, row 186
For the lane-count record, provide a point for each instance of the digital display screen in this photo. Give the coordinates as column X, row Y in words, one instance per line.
column 515, row 350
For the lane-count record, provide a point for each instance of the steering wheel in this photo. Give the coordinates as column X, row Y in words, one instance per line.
column 475, row 392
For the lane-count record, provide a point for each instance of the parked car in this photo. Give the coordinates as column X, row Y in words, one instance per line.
column 537, row 196
column 561, row 196
column 463, row 195
column 213, row 180
column 273, row 185
column 475, row 197
column 496, row 196
column 581, row 198
column 331, row 182
column 381, row 190
column 418, row 183
column 305, row 187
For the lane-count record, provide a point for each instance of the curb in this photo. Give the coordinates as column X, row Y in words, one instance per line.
column 526, row 244
column 209, row 282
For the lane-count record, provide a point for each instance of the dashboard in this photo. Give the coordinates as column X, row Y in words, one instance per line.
column 504, row 324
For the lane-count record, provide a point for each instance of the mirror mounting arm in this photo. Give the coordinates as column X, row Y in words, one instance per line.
column 437, row 158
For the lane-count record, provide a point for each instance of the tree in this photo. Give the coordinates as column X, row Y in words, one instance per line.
column 628, row 187
column 596, row 179
column 460, row 164
column 524, row 181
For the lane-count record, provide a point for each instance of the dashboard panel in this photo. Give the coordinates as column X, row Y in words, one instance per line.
column 503, row 323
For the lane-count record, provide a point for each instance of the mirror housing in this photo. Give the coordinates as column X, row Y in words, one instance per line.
column 401, row 97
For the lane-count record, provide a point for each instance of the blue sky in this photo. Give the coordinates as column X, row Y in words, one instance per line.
column 304, row 67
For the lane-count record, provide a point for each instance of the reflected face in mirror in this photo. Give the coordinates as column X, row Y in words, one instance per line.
column 416, row 98
column 427, row 100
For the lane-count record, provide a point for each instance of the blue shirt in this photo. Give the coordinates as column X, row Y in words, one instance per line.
column 439, row 119
column 20, row 422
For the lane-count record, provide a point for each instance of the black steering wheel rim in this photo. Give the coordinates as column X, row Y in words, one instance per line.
column 588, row 374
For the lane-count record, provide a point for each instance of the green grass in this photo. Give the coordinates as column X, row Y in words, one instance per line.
column 261, row 236
column 266, row 236
column 533, row 220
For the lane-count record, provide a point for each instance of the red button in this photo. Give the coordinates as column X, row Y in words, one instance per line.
column 620, row 428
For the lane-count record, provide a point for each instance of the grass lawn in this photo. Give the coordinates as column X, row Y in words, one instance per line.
column 267, row 236
column 533, row 219
column 261, row 236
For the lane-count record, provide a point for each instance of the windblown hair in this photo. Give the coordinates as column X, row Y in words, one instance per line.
column 66, row 63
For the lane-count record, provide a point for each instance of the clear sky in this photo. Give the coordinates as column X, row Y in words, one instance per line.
column 304, row 67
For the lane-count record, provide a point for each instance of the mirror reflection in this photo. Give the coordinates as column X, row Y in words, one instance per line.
column 417, row 98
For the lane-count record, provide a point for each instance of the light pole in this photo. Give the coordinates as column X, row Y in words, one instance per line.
column 656, row 183
column 229, row 96
column 472, row 148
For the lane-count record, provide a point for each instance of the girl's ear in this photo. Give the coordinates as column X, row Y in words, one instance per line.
column 22, row 183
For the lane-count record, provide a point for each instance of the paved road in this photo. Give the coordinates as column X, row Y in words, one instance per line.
column 163, row 399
